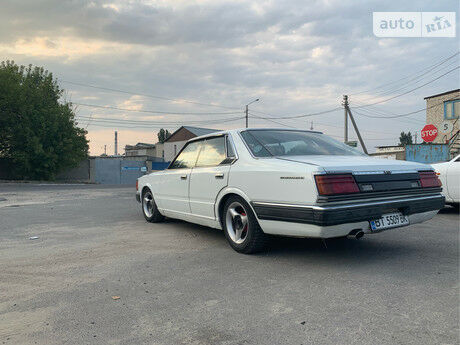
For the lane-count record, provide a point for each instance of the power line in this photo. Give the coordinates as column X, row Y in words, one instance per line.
column 269, row 119
column 118, row 122
column 152, row 111
column 150, row 122
column 410, row 82
column 147, row 95
column 398, row 80
column 409, row 121
column 405, row 93
column 294, row 116
column 393, row 116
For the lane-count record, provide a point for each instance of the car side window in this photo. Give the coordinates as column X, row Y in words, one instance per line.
column 212, row 153
column 187, row 157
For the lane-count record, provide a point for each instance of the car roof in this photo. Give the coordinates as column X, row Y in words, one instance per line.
column 237, row 130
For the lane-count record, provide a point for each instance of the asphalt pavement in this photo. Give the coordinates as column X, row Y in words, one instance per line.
column 98, row 273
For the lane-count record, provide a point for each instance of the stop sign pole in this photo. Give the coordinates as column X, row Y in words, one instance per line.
column 429, row 133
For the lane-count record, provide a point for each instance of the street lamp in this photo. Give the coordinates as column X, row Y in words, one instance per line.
column 247, row 113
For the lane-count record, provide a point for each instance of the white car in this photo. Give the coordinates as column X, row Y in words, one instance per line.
column 256, row 182
column 449, row 174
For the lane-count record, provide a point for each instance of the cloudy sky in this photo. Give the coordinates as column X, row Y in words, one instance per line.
column 208, row 58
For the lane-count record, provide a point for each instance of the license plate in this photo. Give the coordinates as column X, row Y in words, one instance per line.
column 388, row 221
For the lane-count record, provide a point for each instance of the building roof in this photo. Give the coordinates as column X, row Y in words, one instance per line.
column 140, row 146
column 200, row 131
column 442, row 94
column 194, row 131
column 388, row 146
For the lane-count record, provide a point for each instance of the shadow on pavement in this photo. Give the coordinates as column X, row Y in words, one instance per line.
column 449, row 210
column 371, row 248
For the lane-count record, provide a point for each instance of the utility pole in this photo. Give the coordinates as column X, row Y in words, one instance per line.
column 415, row 137
column 361, row 141
column 345, row 126
column 247, row 115
column 311, row 127
column 116, row 143
column 247, row 111
column 105, row 150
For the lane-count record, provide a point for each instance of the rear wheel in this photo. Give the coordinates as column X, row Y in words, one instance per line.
column 241, row 228
column 149, row 208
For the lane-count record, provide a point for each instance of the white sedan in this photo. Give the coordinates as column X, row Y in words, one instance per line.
column 449, row 174
column 255, row 182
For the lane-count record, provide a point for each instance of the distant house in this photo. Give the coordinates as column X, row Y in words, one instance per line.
column 391, row 152
column 177, row 140
column 443, row 109
column 140, row 149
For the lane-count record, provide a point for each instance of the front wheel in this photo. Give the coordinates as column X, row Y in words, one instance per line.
column 150, row 209
column 241, row 228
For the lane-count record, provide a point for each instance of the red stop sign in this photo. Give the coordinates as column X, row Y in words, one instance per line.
column 429, row 133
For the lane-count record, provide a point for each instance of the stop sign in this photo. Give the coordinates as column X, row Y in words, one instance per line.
column 429, row 133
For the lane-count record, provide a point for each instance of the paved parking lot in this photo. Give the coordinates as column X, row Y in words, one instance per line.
column 180, row 283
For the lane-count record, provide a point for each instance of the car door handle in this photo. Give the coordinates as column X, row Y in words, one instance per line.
column 219, row 175
column 183, row 177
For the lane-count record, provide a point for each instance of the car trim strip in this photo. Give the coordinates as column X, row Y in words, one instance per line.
column 344, row 214
column 345, row 206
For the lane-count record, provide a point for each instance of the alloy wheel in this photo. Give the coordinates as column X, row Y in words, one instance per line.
column 237, row 223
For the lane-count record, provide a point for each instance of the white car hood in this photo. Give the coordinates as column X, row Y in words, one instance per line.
column 357, row 163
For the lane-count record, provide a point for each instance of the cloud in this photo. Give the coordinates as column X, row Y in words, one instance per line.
column 297, row 57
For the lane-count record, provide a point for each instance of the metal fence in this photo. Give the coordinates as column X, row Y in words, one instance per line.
column 427, row 153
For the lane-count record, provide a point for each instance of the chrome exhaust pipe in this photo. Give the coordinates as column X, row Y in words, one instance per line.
column 357, row 234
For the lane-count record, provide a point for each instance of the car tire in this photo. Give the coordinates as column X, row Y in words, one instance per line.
column 241, row 227
column 149, row 207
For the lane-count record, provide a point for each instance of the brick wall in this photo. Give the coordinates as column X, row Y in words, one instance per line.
column 435, row 114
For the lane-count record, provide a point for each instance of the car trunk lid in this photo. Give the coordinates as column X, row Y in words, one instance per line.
column 374, row 176
column 357, row 164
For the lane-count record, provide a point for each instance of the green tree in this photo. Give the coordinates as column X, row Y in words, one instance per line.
column 38, row 134
column 163, row 135
column 405, row 139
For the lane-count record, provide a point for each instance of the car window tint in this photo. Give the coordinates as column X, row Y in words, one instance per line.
column 256, row 147
column 230, row 151
column 212, row 152
column 187, row 157
column 294, row 143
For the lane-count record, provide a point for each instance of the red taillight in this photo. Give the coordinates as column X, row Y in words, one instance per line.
column 429, row 179
column 137, row 185
column 336, row 184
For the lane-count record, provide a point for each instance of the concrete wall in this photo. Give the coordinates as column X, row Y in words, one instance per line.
column 159, row 150
column 170, row 152
column 108, row 170
column 435, row 114
column 400, row 155
column 141, row 152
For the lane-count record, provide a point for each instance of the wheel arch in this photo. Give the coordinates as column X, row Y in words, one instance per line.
column 223, row 197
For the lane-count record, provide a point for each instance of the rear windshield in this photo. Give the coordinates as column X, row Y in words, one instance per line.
column 266, row 143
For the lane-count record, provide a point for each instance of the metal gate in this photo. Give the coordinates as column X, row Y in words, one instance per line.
column 117, row 171
column 130, row 171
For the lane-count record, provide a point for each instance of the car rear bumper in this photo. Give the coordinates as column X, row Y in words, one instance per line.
column 315, row 231
column 337, row 214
